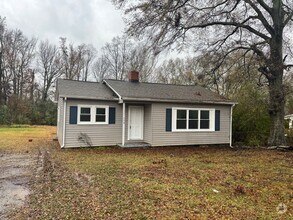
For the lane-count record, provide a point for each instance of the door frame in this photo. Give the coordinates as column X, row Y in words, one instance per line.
column 142, row 121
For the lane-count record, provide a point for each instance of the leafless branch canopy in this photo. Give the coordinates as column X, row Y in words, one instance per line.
column 214, row 25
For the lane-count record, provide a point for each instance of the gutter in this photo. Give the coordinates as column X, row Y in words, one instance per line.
column 119, row 96
column 64, row 122
column 87, row 98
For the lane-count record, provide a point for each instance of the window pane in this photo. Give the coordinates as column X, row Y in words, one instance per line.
column 85, row 118
column 181, row 114
column 85, row 110
column 204, row 114
column 193, row 124
column 204, row 124
column 181, row 124
column 193, row 114
column 100, row 111
column 100, row 118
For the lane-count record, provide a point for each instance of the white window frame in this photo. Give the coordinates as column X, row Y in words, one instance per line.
column 93, row 114
column 211, row 119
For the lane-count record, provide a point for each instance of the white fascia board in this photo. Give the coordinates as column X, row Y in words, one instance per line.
column 119, row 96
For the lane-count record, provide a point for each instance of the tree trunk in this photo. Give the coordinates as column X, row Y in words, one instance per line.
column 276, row 90
column 276, row 111
column 276, row 68
column 32, row 86
column 1, row 77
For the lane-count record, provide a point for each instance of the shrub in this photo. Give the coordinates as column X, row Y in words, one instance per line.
column 251, row 121
column 5, row 116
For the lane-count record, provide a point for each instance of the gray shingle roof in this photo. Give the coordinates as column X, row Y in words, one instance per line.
column 87, row 90
column 137, row 91
column 165, row 92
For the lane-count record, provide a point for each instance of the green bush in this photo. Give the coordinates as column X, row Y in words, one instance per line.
column 44, row 113
column 5, row 116
column 24, row 111
column 251, row 121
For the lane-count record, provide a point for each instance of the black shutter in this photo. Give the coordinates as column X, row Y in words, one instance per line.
column 168, row 119
column 73, row 115
column 217, row 120
column 112, row 115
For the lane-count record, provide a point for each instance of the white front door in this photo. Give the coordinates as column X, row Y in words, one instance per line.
column 135, row 123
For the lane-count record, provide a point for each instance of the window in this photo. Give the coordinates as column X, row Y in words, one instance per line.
column 181, row 119
column 189, row 119
column 93, row 114
column 204, row 119
column 85, row 114
column 100, row 114
column 193, row 119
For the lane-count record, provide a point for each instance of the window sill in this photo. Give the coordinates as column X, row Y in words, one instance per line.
column 195, row 131
column 89, row 123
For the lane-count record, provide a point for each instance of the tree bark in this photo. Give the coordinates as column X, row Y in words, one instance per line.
column 276, row 111
column 1, row 77
column 275, row 78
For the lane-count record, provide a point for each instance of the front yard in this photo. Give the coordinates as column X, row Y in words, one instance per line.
column 154, row 183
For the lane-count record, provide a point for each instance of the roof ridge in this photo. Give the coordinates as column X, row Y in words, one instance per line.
column 154, row 83
column 74, row 80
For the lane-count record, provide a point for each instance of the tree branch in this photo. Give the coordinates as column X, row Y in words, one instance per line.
column 290, row 16
column 235, row 24
column 211, row 7
column 223, row 40
column 265, row 6
column 288, row 67
column 261, row 17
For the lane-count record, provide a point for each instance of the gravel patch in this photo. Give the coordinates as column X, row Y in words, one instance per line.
column 15, row 175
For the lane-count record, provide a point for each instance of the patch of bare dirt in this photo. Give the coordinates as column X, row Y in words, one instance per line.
column 16, row 170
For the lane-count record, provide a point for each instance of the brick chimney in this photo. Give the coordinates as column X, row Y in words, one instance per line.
column 133, row 76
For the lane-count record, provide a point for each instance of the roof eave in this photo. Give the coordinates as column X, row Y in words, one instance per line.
column 89, row 98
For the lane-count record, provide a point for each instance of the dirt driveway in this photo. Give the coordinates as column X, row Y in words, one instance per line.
column 16, row 170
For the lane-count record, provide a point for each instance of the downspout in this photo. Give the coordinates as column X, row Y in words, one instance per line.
column 123, row 110
column 231, row 120
column 123, row 124
column 64, row 122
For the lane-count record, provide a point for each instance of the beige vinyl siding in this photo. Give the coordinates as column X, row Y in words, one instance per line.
column 162, row 138
column 148, row 123
column 154, row 126
column 60, row 112
column 99, row 134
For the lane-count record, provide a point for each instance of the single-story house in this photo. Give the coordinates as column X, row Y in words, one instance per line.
column 290, row 119
column 133, row 113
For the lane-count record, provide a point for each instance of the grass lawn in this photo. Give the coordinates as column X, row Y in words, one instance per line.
column 160, row 183
column 24, row 138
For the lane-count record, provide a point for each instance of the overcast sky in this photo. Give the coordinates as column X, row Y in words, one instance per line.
column 80, row 21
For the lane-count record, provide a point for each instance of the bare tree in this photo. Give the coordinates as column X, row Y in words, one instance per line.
column 71, row 60
column 89, row 54
column 116, row 55
column 226, row 26
column 19, row 55
column 76, row 61
column 49, row 60
column 2, row 33
column 122, row 55
column 172, row 71
column 100, row 69
column 142, row 59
